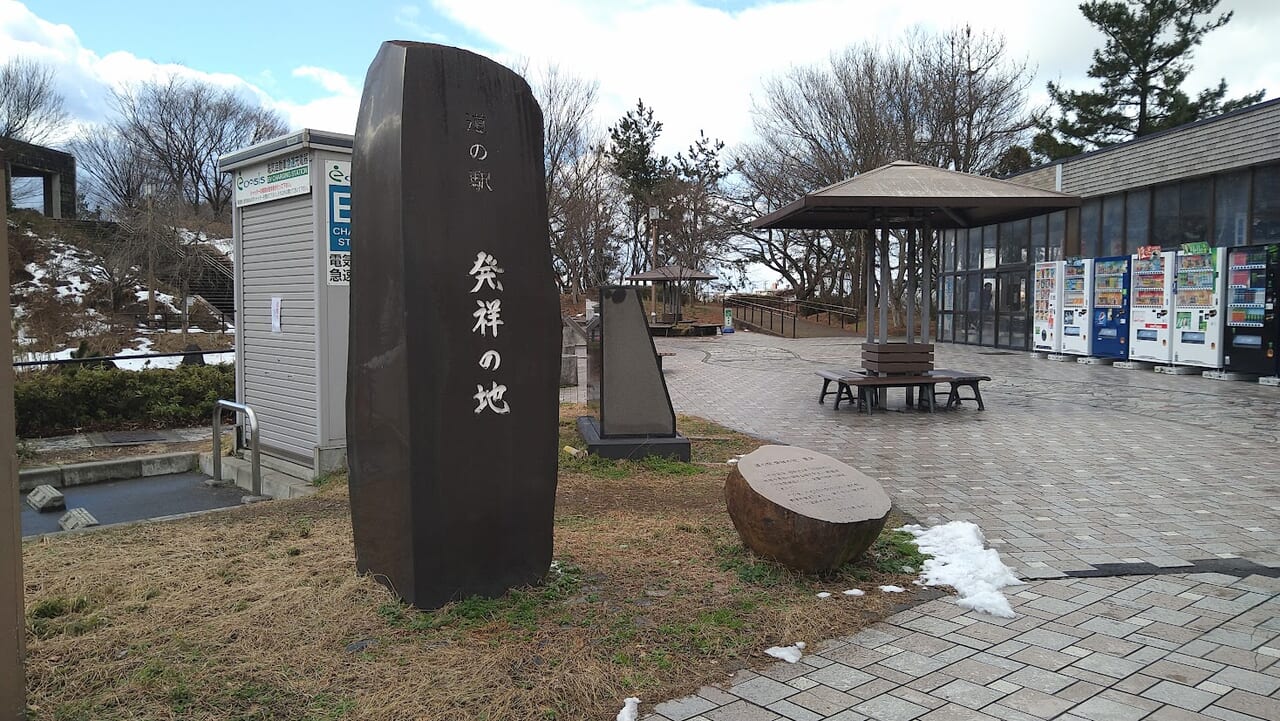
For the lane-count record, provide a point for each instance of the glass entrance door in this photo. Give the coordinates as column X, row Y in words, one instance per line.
column 1012, row 294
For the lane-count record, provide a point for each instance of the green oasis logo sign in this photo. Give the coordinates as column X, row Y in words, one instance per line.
column 280, row 177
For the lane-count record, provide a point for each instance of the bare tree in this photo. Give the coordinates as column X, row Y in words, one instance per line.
column 117, row 169
column 583, row 199
column 182, row 126
column 979, row 99
column 31, row 108
column 954, row 101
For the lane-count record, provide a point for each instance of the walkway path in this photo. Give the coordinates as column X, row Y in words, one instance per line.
column 1148, row 507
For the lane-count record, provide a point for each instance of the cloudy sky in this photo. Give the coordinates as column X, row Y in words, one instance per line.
column 698, row 64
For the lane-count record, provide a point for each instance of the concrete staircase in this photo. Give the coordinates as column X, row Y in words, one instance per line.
column 280, row 479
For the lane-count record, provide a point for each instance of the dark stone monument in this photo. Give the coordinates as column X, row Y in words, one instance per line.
column 803, row 509
column 625, row 385
column 193, row 357
column 452, row 397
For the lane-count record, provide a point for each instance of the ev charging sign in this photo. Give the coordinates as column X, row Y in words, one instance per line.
column 338, row 193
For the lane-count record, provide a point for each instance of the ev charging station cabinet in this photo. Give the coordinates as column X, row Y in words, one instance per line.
column 292, row 227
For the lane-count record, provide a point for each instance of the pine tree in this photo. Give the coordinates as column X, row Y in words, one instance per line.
column 632, row 158
column 1141, row 68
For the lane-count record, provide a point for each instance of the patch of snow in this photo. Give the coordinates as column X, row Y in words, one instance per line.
column 892, row 589
column 855, row 592
column 630, row 709
column 961, row 561
column 790, row 654
column 169, row 302
column 226, row 246
column 824, row 594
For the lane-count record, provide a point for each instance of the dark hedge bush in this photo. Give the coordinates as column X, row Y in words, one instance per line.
column 68, row 399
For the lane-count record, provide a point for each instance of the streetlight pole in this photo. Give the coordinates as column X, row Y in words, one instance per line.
column 654, row 214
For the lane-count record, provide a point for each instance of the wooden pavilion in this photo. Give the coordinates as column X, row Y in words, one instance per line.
column 915, row 200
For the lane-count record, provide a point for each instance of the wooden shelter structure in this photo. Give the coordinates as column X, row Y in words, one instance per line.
column 671, row 278
column 916, row 199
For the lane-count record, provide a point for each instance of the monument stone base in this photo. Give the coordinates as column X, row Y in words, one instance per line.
column 632, row 447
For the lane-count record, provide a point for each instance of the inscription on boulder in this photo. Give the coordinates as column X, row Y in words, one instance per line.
column 804, row 509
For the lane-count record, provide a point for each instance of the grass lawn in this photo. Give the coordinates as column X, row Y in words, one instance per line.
column 257, row 613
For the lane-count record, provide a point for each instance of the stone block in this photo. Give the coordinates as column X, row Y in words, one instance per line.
column 46, row 498
column 76, row 519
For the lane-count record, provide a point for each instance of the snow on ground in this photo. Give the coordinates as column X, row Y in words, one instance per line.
column 790, row 654
column 630, row 709
column 226, row 246
column 855, row 592
column 142, row 346
column 64, row 270
column 169, row 302
column 961, row 561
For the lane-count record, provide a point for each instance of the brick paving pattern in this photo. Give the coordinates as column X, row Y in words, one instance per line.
column 1070, row 469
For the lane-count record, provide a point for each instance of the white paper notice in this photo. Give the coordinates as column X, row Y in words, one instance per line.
column 275, row 314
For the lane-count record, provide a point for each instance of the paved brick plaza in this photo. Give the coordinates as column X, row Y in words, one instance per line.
column 1069, row 469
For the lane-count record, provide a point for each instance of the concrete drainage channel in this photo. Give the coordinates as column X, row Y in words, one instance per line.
column 80, row 495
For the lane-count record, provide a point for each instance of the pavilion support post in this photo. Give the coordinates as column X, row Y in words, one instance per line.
column 911, row 283
column 882, row 394
column 926, row 312
column 884, row 281
column 868, row 278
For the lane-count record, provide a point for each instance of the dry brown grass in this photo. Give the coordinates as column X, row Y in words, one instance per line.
column 249, row 614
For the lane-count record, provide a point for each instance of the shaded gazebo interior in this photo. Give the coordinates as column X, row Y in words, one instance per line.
column 668, row 283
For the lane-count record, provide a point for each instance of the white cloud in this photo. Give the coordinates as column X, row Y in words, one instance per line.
column 86, row 79
column 336, row 111
column 699, row 67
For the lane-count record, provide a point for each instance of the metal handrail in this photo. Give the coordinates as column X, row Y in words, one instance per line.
column 252, row 418
column 761, row 310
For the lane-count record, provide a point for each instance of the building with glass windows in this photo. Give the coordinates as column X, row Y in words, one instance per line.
column 1216, row 180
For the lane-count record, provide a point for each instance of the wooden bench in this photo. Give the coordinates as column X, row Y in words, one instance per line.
column 842, row 391
column 663, row 354
column 847, row 380
column 958, row 380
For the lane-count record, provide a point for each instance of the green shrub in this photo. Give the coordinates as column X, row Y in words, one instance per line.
column 70, row 399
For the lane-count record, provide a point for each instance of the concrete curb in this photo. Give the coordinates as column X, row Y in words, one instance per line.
column 79, row 474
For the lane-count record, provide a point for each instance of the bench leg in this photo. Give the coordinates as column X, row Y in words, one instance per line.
column 977, row 396
column 826, row 383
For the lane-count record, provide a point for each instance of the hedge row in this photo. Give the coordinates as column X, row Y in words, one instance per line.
column 66, row 400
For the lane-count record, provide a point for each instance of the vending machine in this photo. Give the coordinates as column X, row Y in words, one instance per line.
column 1197, row 306
column 1150, row 303
column 1077, row 306
column 1047, row 326
column 1110, row 325
column 1252, row 328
